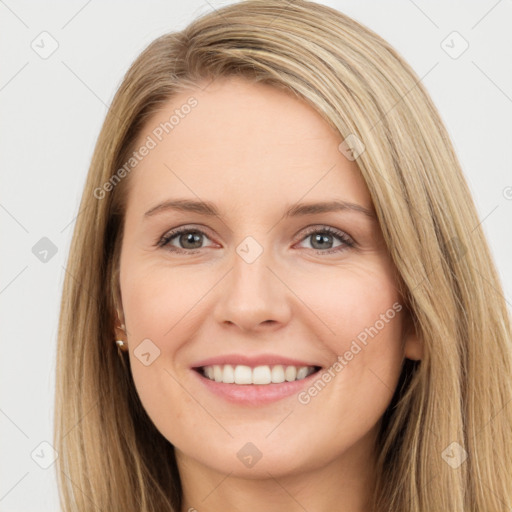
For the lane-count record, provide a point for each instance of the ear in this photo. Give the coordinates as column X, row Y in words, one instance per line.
column 413, row 342
column 120, row 328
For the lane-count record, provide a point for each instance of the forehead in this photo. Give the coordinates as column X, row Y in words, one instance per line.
column 242, row 143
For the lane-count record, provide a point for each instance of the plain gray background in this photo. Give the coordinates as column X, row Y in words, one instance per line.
column 53, row 107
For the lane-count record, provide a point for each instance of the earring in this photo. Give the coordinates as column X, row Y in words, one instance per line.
column 121, row 345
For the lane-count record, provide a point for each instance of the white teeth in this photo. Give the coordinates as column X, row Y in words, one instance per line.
column 217, row 373
column 278, row 374
column 290, row 373
column 243, row 374
column 259, row 375
column 302, row 373
column 228, row 375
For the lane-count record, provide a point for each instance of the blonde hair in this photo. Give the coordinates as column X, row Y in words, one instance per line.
column 111, row 454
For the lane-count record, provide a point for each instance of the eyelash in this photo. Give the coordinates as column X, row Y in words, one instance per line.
column 343, row 237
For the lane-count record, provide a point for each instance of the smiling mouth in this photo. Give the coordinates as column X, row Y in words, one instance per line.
column 258, row 375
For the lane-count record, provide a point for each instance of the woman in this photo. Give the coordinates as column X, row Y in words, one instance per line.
column 281, row 296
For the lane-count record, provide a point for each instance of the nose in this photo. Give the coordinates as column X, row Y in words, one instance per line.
column 253, row 296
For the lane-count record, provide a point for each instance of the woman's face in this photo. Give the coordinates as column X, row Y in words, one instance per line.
column 268, row 281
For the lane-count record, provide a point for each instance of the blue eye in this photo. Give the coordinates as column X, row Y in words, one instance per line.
column 322, row 240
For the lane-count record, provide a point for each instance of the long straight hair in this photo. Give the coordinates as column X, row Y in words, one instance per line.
column 454, row 403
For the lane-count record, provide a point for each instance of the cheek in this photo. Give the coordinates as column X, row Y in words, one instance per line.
column 361, row 325
column 161, row 321
column 353, row 304
column 158, row 302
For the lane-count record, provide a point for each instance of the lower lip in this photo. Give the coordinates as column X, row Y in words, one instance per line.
column 255, row 394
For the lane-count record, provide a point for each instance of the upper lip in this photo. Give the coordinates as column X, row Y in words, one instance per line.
column 257, row 360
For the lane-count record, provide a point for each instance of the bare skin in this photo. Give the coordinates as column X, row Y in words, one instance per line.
column 255, row 151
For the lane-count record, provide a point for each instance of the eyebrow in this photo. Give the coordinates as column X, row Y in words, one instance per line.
column 207, row 208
